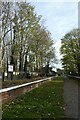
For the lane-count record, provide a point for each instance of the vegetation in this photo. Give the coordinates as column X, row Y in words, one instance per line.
column 43, row 102
column 70, row 50
column 10, row 83
column 59, row 72
column 24, row 43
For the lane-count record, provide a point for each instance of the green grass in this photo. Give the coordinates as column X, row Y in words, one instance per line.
column 43, row 102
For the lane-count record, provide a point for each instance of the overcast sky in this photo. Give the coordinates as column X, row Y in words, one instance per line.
column 59, row 17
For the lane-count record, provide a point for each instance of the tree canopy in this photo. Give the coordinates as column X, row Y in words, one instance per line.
column 70, row 50
column 25, row 43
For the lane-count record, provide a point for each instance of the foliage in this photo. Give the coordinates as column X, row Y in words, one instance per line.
column 25, row 43
column 59, row 72
column 70, row 50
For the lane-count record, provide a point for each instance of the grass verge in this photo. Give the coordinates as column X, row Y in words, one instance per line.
column 43, row 102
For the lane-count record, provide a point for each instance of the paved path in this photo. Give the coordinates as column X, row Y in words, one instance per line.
column 71, row 98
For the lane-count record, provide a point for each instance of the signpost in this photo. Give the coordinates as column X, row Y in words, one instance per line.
column 10, row 70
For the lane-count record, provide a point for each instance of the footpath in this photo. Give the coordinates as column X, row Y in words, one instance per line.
column 72, row 98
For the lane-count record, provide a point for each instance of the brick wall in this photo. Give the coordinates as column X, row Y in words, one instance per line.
column 9, row 94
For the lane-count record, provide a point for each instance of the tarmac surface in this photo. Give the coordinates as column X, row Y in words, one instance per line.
column 72, row 99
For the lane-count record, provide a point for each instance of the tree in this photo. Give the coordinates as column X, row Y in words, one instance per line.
column 25, row 43
column 70, row 50
column 5, row 29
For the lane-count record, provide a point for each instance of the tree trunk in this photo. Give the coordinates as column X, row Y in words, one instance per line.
column 20, row 62
column 25, row 64
column 3, row 77
column 20, row 57
column 7, row 67
column 12, row 54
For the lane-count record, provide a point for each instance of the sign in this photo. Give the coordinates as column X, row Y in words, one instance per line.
column 10, row 68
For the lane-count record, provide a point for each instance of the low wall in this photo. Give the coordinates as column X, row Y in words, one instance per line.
column 9, row 94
